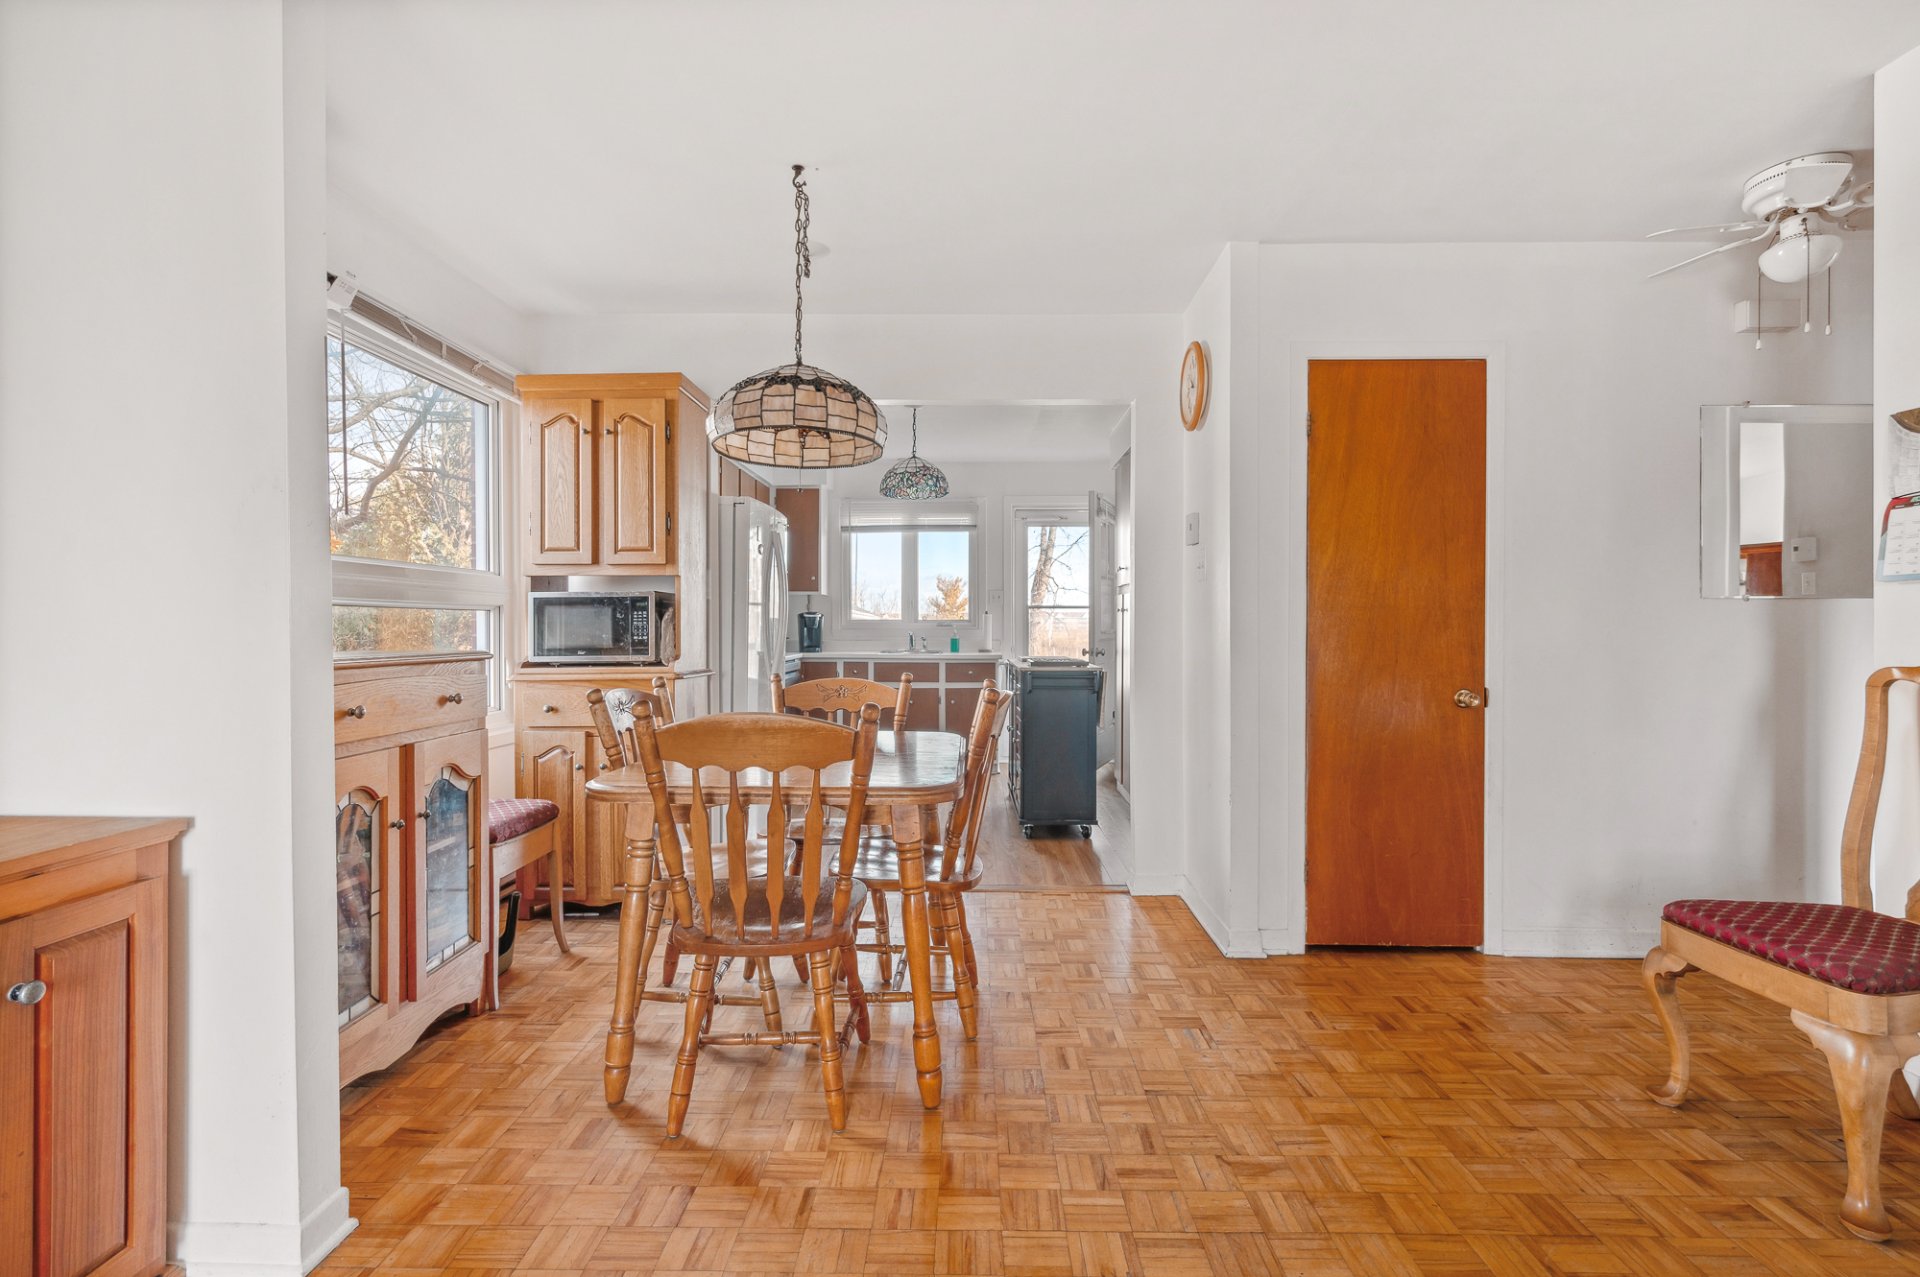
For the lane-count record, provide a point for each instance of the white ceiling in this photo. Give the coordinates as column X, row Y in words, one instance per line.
column 1000, row 432
column 999, row 156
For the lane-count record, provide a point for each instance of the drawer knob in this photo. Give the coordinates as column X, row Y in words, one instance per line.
column 358, row 711
column 421, row 814
column 397, row 824
column 579, row 767
column 27, row 992
column 453, row 698
column 549, row 709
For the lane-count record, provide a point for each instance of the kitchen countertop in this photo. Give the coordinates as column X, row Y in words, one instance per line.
column 871, row 655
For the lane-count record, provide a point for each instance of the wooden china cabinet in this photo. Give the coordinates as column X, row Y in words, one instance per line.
column 411, row 858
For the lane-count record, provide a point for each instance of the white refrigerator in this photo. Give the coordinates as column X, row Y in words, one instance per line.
column 752, row 599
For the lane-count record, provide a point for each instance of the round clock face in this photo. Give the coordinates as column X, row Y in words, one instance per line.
column 1193, row 386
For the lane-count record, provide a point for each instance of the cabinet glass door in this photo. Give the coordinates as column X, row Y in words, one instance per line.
column 359, row 878
column 452, row 860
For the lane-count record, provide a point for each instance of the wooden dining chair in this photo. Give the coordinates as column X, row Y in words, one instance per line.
column 741, row 763
column 840, row 699
column 1849, row 976
column 957, row 871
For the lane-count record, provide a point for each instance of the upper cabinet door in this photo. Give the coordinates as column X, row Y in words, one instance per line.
column 636, row 478
column 559, row 488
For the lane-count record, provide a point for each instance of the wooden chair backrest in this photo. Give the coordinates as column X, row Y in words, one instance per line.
column 983, row 745
column 840, row 699
column 1863, row 807
column 787, row 754
column 613, row 713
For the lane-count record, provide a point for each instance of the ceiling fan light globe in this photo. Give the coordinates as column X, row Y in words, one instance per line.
column 1792, row 260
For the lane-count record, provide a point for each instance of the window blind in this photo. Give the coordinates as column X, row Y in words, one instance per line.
column 895, row 516
column 394, row 324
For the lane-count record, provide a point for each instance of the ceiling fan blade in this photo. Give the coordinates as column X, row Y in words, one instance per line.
column 1859, row 219
column 1808, row 185
column 1724, row 227
column 1711, row 251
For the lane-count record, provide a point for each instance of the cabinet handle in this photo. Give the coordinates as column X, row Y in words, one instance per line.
column 603, row 767
column 454, row 698
column 609, row 429
column 397, row 824
column 27, row 992
column 549, row 709
column 358, row 711
column 579, row 767
column 421, row 815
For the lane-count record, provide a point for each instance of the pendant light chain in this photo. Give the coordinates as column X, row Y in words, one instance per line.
column 802, row 258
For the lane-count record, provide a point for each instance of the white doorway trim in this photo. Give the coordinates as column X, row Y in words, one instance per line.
column 1290, row 935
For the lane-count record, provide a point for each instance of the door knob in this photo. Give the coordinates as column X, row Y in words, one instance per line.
column 27, row 992
column 1467, row 699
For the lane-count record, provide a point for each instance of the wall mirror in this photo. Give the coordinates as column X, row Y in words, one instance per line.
column 1786, row 501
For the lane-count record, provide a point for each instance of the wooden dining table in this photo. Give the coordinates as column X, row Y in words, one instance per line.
column 913, row 773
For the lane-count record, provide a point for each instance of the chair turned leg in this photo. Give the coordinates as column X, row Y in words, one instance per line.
column 769, row 996
column 948, row 906
column 1863, row 1065
column 883, row 935
column 831, row 1075
column 699, row 996
column 650, row 933
column 557, row 902
column 966, row 941
column 1659, row 973
column 1900, row 1098
column 856, row 992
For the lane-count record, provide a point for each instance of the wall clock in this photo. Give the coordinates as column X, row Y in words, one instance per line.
column 1193, row 386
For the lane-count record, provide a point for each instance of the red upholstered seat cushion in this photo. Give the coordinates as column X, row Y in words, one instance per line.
column 1856, row 949
column 508, row 818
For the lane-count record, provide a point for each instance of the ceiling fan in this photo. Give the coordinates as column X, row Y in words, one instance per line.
column 1790, row 208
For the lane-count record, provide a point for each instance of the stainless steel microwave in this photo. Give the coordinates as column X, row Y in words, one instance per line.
column 595, row 629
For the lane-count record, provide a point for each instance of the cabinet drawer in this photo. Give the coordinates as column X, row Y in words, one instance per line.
column 924, row 672
column 968, row 672
column 395, row 700
column 565, row 704
column 810, row 670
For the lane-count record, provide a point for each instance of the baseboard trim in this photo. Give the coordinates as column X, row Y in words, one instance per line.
column 220, row 1249
column 1275, row 941
column 324, row 1228
column 1579, row 942
column 1157, row 884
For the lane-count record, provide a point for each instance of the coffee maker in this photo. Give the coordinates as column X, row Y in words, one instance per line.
column 810, row 631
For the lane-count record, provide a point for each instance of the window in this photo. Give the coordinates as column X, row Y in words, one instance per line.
column 413, row 499
column 909, row 565
column 1058, row 575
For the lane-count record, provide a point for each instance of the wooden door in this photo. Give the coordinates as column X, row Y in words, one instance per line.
column 452, row 906
column 370, row 820
column 559, row 488
column 82, row 1094
column 804, row 541
column 636, row 478
column 553, row 764
column 1396, row 610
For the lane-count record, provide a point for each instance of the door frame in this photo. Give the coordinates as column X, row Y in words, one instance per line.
column 1286, row 808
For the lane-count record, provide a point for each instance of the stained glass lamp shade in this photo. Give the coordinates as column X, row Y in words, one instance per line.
column 913, row 479
column 797, row 416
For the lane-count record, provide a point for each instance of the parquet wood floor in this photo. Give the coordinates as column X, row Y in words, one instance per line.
column 1055, row 858
column 1135, row 1105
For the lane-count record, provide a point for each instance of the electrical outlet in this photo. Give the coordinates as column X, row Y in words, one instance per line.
column 1806, row 584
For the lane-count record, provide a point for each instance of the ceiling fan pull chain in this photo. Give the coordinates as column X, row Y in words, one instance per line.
column 1806, row 248
column 1759, row 315
column 1830, row 275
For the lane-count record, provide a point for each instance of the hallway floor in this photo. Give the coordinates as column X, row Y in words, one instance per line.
column 1056, row 857
column 1135, row 1104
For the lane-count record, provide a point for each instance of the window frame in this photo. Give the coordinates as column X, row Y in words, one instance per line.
column 909, row 521
column 1036, row 513
column 361, row 582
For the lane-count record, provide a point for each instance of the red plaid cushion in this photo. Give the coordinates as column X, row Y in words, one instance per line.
column 508, row 818
column 1854, row 948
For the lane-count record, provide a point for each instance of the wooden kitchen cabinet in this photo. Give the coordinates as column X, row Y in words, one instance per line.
column 600, row 484
column 806, row 541
column 412, row 863
column 83, row 1045
column 556, row 751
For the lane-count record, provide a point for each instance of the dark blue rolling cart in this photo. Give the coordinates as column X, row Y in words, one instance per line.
column 1053, row 743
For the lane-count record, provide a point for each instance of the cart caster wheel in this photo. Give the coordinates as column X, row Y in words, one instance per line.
column 1026, row 831
column 1086, row 831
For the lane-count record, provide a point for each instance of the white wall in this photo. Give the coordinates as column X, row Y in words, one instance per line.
column 160, row 287
column 973, row 359
column 1896, row 388
column 1644, row 744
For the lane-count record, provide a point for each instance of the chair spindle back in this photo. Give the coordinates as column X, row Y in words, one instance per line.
column 1863, row 807
column 740, row 762
column 613, row 713
column 983, row 746
column 839, row 699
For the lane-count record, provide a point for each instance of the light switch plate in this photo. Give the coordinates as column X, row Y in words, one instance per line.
column 1806, row 585
column 1804, row 549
